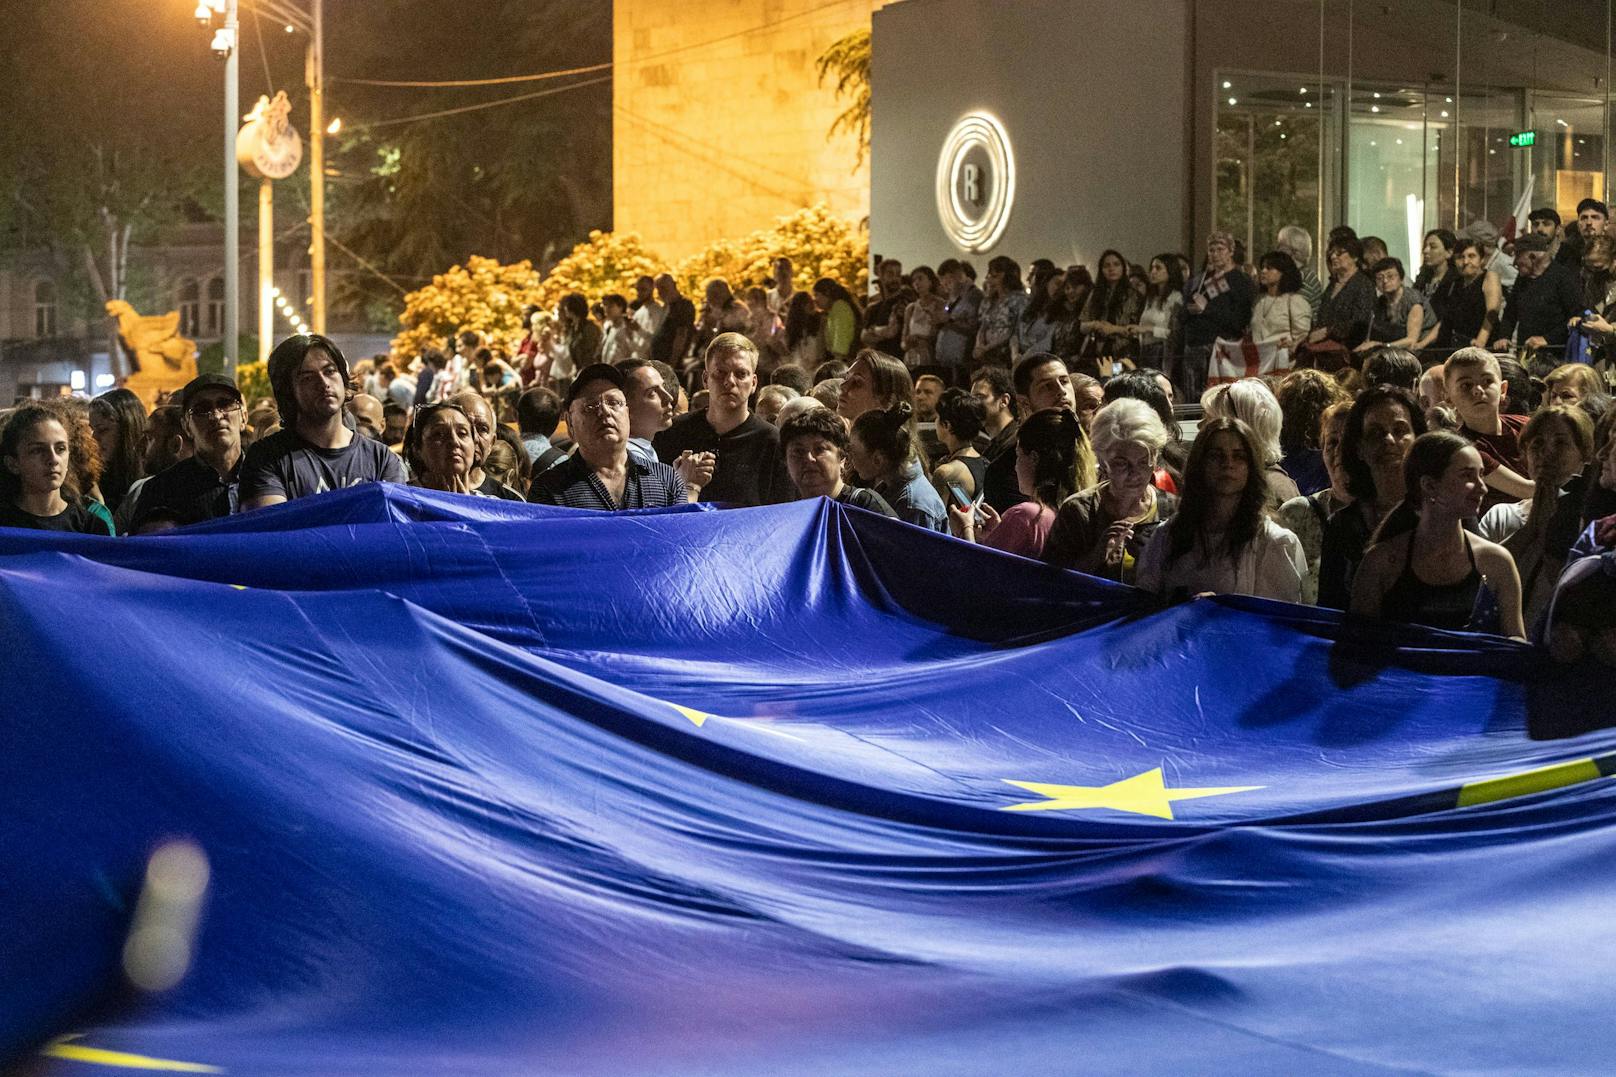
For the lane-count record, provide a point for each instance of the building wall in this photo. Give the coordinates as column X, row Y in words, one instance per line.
column 1092, row 96
column 719, row 124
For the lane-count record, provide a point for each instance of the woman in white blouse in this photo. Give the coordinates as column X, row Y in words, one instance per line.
column 1221, row 539
column 1163, row 312
column 1282, row 315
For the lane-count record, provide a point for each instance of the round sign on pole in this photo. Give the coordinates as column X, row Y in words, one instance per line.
column 267, row 146
column 976, row 181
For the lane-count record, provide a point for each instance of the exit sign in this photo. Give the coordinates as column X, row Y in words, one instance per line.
column 1523, row 138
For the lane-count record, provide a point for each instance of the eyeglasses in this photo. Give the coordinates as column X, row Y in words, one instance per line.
column 208, row 411
column 601, row 406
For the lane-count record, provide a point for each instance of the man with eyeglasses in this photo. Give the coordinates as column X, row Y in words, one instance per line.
column 314, row 451
column 749, row 468
column 203, row 485
column 600, row 474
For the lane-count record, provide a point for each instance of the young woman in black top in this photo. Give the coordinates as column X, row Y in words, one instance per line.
column 35, row 466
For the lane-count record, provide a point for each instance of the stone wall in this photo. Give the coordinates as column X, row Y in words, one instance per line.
column 719, row 122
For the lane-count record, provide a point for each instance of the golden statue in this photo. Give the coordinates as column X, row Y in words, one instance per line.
column 163, row 360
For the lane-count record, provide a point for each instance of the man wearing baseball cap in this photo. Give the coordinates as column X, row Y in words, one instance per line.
column 314, row 451
column 1547, row 296
column 601, row 474
column 203, row 485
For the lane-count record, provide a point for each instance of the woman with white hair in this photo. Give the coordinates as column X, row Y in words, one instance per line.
column 1253, row 403
column 1103, row 530
column 1294, row 240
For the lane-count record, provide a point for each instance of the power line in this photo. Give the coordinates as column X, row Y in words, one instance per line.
column 591, row 69
column 485, row 104
column 636, row 62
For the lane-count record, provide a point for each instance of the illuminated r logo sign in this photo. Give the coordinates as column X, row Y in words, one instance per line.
column 973, row 184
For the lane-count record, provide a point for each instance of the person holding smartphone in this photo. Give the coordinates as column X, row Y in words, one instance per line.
column 1046, row 469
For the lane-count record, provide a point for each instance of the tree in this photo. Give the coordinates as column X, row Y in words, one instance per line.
column 525, row 180
column 849, row 59
column 483, row 296
column 91, row 169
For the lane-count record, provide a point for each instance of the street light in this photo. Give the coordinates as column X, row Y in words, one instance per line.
column 311, row 22
column 208, row 13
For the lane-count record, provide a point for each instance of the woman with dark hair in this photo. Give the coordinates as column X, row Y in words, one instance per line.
column 1435, row 575
column 36, row 474
column 1003, row 299
column 1065, row 313
column 960, row 417
column 1345, row 313
column 884, row 452
column 1436, row 281
column 576, row 346
column 1162, row 315
column 840, row 317
column 1306, row 515
column 118, row 421
column 923, row 318
column 1035, row 332
column 1103, row 530
column 440, row 448
column 1557, row 444
column 874, row 382
column 1220, row 540
column 1046, row 464
column 1475, row 301
column 1399, row 317
column 1282, row 315
column 1112, row 309
column 814, row 443
column 1383, row 423
column 800, row 344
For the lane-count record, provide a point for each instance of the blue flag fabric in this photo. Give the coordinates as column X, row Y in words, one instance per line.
column 492, row 788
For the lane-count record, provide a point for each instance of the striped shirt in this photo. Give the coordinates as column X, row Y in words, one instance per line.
column 573, row 484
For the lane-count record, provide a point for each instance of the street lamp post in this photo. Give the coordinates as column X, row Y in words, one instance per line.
column 225, row 37
column 312, row 23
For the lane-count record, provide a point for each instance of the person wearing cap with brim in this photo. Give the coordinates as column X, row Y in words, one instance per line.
column 203, row 485
column 1486, row 233
column 1546, row 298
column 600, row 474
column 315, row 450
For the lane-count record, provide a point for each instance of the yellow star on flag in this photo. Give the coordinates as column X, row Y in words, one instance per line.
column 1143, row 794
column 699, row 717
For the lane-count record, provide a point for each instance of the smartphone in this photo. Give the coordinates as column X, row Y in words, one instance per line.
column 961, row 499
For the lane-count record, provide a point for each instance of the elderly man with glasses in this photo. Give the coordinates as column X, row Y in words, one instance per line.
column 601, row 474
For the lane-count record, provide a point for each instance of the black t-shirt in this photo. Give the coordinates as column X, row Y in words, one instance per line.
column 859, row 497
column 188, row 493
column 284, row 464
column 492, row 487
column 751, row 469
column 74, row 518
column 681, row 315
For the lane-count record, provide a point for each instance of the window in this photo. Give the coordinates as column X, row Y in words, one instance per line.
column 216, row 307
column 45, row 309
column 190, row 308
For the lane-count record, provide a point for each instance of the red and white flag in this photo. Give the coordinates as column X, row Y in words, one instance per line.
column 1517, row 225
column 1236, row 359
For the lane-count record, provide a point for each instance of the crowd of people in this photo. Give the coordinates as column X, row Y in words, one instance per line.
column 1434, row 455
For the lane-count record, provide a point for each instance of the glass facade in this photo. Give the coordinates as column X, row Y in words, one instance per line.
column 1393, row 161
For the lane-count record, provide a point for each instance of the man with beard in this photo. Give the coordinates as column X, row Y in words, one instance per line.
column 314, row 451
column 750, row 469
column 601, row 474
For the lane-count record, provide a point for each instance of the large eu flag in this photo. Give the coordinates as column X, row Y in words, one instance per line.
column 500, row 789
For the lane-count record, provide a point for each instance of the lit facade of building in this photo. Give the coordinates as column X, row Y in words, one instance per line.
column 1144, row 124
column 719, row 123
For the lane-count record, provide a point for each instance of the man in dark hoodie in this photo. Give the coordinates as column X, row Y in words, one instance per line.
column 315, row 450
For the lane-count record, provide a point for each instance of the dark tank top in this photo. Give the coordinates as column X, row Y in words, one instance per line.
column 1449, row 605
column 1463, row 311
